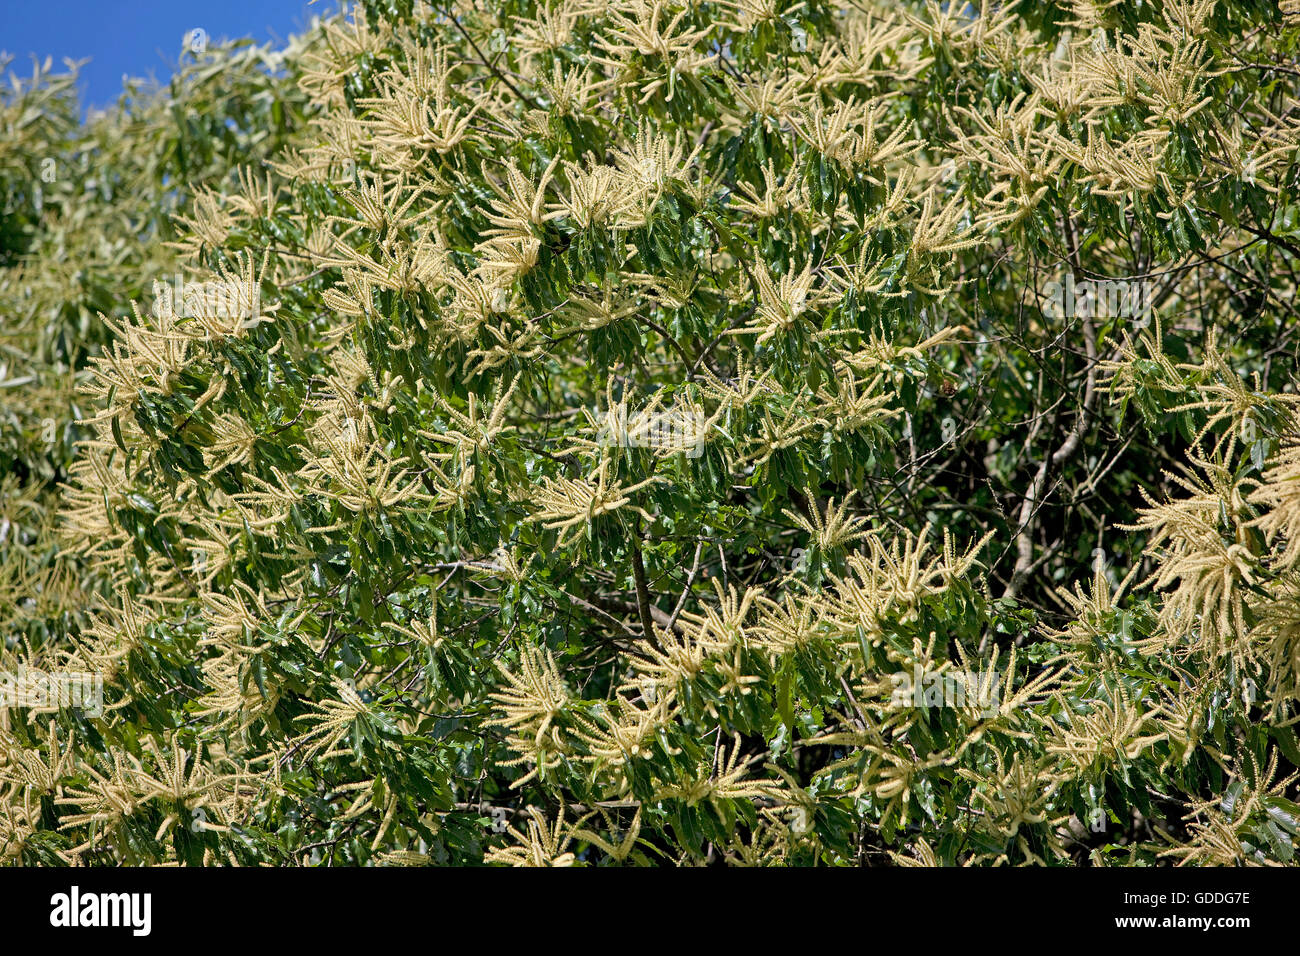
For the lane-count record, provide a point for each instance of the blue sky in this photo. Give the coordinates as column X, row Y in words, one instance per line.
column 136, row 38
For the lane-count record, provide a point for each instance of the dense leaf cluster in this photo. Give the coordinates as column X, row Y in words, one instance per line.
column 650, row 432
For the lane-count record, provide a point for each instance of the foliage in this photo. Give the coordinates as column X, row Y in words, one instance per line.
column 611, row 433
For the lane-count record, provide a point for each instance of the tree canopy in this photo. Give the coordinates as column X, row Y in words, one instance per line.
column 661, row 433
